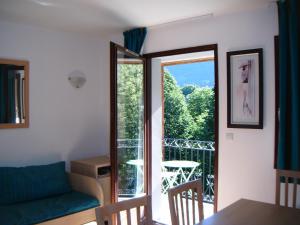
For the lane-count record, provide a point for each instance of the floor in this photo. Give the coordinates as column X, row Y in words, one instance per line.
column 165, row 218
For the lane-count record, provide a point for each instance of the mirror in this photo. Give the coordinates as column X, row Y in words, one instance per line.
column 14, row 85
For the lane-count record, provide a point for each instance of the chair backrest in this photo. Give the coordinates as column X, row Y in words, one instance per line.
column 136, row 211
column 288, row 177
column 182, row 198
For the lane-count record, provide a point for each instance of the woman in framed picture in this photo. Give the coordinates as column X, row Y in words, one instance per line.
column 245, row 88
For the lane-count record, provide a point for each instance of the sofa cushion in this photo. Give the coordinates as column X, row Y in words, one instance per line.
column 46, row 209
column 20, row 184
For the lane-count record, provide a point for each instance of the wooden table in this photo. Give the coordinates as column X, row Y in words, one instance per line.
column 248, row 212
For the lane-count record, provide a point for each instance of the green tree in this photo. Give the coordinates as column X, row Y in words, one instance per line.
column 201, row 106
column 130, row 100
column 178, row 123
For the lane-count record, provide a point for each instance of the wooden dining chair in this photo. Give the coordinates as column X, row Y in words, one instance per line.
column 181, row 199
column 136, row 211
column 290, row 178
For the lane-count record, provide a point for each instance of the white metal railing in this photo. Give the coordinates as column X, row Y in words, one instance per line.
column 202, row 152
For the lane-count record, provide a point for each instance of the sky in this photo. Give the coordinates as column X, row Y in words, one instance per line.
column 200, row 74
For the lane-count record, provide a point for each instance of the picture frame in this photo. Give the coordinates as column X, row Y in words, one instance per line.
column 245, row 89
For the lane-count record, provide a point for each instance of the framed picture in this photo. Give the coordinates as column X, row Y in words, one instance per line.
column 245, row 89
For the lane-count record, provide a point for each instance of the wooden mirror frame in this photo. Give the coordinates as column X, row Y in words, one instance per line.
column 26, row 93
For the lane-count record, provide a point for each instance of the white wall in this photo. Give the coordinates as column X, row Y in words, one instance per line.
column 156, row 108
column 246, row 162
column 68, row 123
column 65, row 123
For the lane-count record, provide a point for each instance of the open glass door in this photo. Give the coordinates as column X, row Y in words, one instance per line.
column 129, row 151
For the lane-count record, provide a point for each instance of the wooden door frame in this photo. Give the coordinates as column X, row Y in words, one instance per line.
column 212, row 47
column 113, row 118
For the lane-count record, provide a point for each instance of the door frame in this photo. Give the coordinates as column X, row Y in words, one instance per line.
column 211, row 47
column 114, row 48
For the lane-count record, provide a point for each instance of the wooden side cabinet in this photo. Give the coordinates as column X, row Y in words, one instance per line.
column 98, row 168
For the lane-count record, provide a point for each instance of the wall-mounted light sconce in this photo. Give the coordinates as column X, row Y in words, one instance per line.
column 77, row 79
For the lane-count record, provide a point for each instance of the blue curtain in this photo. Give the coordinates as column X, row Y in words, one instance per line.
column 2, row 95
column 11, row 107
column 7, row 95
column 134, row 39
column 288, row 156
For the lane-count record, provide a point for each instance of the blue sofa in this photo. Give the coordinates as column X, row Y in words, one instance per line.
column 47, row 195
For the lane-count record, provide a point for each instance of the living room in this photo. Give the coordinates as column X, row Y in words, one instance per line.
column 65, row 123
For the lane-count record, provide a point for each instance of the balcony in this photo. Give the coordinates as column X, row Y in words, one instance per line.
column 197, row 151
column 201, row 152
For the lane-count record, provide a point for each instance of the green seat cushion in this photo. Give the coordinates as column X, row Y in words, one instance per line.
column 19, row 184
column 46, row 209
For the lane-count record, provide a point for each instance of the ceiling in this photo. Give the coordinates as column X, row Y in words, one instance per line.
column 109, row 16
column 187, row 56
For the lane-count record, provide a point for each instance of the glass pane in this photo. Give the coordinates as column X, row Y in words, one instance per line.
column 130, row 126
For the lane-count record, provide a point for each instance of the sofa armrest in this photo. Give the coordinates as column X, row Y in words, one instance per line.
column 87, row 185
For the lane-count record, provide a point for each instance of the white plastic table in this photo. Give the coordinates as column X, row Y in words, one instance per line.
column 139, row 163
column 179, row 165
